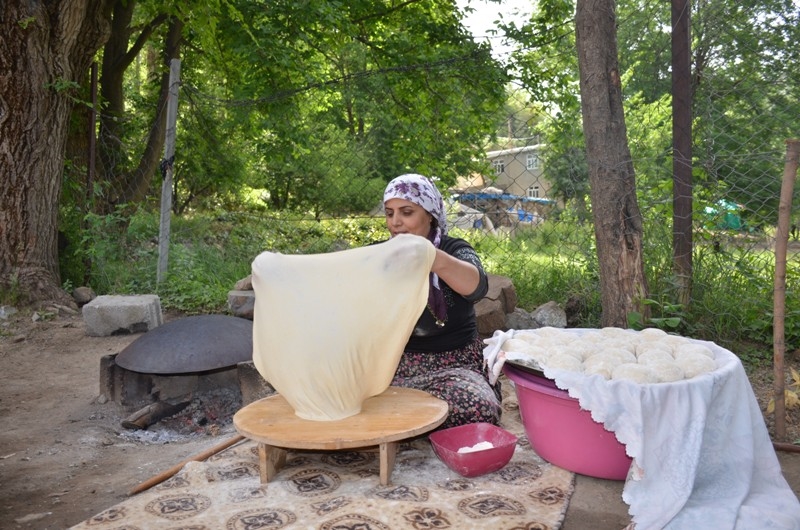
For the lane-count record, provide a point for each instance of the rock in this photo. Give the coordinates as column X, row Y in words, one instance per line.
column 245, row 284
column 118, row 314
column 241, row 303
column 490, row 316
column 501, row 288
column 521, row 319
column 6, row 311
column 83, row 295
column 31, row 517
column 491, row 310
column 573, row 308
column 550, row 314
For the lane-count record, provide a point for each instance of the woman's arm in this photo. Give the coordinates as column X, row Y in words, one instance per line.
column 462, row 277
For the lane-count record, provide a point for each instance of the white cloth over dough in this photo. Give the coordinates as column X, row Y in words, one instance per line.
column 329, row 329
column 702, row 455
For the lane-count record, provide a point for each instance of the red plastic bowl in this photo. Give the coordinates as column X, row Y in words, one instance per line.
column 562, row 433
column 447, row 442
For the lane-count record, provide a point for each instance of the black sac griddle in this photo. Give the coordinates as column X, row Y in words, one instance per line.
column 528, row 366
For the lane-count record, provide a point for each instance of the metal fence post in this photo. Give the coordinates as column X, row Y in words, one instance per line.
column 166, row 169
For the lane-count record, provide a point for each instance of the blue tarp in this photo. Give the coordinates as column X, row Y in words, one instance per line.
column 502, row 197
column 522, row 215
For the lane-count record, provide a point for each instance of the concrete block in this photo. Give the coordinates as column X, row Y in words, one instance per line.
column 252, row 384
column 117, row 314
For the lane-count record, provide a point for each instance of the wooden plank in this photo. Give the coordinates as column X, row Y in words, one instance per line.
column 388, row 451
column 270, row 461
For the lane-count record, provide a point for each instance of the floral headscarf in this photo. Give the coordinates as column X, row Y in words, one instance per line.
column 423, row 192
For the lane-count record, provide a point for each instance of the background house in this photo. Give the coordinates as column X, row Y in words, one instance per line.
column 514, row 193
column 518, row 171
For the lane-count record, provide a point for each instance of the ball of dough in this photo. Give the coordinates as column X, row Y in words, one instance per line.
column 667, row 371
column 694, row 364
column 692, row 347
column 528, row 336
column 624, row 355
column 628, row 345
column 582, row 349
column 651, row 334
column 564, row 361
column 638, row 373
column 674, row 341
column 616, row 333
column 516, row 345
column 538, row 354
column 654, row 355
column 602, row 363
column 648, row 346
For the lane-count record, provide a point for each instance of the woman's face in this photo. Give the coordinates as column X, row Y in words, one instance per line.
column 405, row 217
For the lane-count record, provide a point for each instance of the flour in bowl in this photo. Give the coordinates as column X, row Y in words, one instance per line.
column 480, row 446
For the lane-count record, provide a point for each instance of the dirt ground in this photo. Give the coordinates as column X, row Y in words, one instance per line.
column 64, row 455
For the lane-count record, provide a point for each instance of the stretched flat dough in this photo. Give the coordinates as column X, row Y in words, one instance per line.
column 329, row 329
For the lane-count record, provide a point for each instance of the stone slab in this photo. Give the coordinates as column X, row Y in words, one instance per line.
column 109, row 315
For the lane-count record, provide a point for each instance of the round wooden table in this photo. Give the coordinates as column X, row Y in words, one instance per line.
column 396, row 414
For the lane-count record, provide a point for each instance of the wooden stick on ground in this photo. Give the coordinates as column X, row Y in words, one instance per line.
column 791, row 448
column 161, row 477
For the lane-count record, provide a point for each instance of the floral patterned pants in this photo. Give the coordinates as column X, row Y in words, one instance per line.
column 457, row 377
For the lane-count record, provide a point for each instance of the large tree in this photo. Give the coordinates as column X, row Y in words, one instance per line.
column 45, row 54
column 617, row 219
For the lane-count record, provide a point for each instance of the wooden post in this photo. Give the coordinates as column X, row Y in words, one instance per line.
column 166, row 169
column 779, row 290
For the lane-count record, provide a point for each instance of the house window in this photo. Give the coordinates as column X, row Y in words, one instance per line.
column 532, row 161
column 499, row 167
column 533, row 192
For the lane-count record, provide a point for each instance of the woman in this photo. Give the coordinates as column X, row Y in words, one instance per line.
column 444, row 355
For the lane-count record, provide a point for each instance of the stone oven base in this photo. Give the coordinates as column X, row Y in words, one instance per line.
column 134, row 390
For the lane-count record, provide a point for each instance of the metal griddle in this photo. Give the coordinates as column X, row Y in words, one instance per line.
column 528, row 366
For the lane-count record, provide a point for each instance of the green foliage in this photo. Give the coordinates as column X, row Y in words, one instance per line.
column 208, row 253
column 672, row 316
column 25, row 22
column 548, row 262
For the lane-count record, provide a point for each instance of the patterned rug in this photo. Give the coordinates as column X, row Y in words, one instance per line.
column 340, row 490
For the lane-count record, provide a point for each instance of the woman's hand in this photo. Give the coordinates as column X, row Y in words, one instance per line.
column 461, row 276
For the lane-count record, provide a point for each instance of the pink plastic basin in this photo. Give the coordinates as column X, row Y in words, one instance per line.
column 563, row 434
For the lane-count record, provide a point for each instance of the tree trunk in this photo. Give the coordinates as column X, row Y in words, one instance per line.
column 617, row 219
column 45, row 54
column 682, row 150
column 118, row 55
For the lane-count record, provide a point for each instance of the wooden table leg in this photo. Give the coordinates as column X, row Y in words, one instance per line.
column 388, row 451
column 270, row 461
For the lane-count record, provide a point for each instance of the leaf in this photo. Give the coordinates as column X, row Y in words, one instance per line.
column 792, row 399
column 795, row 377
